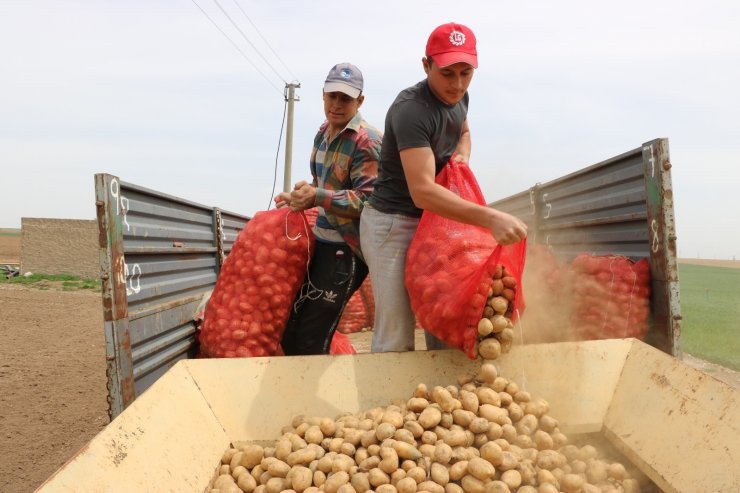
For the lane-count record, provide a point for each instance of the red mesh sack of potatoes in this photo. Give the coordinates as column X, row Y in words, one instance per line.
column 450, row 267
column 250, row 304
column 611, row 297
column 360, row 310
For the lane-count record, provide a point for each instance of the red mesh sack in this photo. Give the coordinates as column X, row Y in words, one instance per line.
column 340, row 344
column 611, row 297
column 250, row 304
column 450, row 267
column 360, row 310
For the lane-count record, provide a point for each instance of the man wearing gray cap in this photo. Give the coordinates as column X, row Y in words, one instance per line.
column 344, row 165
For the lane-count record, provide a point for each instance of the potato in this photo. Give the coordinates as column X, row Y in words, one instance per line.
column 487, row 395
column 430, row 417
column 456, row 437
column 303, row 456
column 485, row 327
column 512, row 478
column 406, row 485
column 492, row 453
column 360, row 482
column 481, row 468
column 417, row 473
column 547, row 488
column 251, row 455
column 386, row 488
column 616, row 471
column 489, row 348
column 572, row 483
column 471, row 484
column 238, row 471
column 247, row 483
column 335, row 481
column 444, row 398
column 223, row 481
column 493, row 414
column 389, row 462
column 469, row 401
column 405, row 450
column 385, row 430
column 430, row 486
column 440, row 474
column 458, row 470
column 542, row 440
column 227, row 455
column 300, row 478
column 463, row 418
column 497, row 487
column 275, row 485
column 376, row 477
column 479, row 426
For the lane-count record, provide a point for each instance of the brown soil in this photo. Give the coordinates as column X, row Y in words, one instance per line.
column 52, row 381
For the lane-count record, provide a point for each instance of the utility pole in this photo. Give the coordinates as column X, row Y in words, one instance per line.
column 290, row 97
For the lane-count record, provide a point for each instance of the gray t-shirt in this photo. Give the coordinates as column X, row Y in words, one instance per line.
column 415, row 119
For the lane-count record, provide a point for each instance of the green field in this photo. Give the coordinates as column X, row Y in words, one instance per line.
column 710, row 306
column 64, row 282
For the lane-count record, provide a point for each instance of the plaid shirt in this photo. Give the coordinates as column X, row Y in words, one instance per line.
column 344, row 178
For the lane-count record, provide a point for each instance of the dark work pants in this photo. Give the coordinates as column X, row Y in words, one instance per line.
column 335, row 273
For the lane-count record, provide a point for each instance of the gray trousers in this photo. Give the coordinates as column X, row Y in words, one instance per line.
column 385, row 239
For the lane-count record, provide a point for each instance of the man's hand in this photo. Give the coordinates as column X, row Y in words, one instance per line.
column 507, row 229
column 282, row 199
column 303, row 196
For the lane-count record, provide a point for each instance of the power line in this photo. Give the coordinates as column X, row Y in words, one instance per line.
column 265, row 40
column 248, row 40
column 237, row 48
column 277, row 153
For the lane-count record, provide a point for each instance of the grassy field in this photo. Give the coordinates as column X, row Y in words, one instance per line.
column 64, row 282
column 710, row 306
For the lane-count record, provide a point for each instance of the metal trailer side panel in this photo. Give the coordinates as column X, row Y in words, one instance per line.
column 159, row 255
column 620, row 206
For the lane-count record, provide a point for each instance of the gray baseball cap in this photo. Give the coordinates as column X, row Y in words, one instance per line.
column 346, row 78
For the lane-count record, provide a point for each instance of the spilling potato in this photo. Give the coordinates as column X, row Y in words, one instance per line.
column 496, row 322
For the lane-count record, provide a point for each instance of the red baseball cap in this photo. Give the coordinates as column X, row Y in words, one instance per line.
column 452, row 43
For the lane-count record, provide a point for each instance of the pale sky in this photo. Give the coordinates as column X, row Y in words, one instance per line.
column 152, row 92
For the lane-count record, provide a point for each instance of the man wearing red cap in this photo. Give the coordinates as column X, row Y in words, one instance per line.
column 424, row 127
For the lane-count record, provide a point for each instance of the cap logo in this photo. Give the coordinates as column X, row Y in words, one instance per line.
column 457, row 38
column 345, row 73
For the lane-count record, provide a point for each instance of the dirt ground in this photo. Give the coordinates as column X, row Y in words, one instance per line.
column 52, row 381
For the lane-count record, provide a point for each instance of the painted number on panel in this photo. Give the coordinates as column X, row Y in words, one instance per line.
column 547, row 204
column 651, row 160
column 133, row 279
column 121, row 201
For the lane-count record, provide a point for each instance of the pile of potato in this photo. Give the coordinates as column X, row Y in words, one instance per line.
column 495, row 329
column 484, row 435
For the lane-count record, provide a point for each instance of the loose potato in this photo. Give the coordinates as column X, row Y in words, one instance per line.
column 497, row 487
column 481, row 468
column 430, row 417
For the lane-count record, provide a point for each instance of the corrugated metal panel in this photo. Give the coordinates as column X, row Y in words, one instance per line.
column 617, row 207
column 159, row 254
